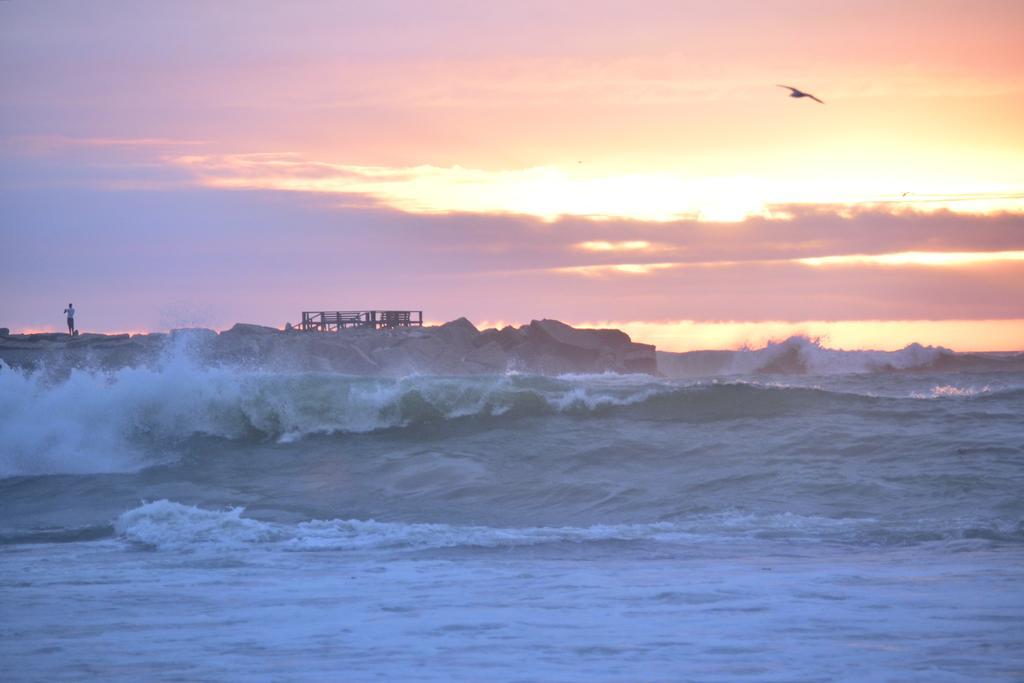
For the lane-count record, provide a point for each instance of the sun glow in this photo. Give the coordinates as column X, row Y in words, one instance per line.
column 930, row 259
column 602, row 246
column 550, row 192
column 605, row 270
column 881, row 335
column 916, row 258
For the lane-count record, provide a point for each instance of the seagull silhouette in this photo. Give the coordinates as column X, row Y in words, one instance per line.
column 800, row 93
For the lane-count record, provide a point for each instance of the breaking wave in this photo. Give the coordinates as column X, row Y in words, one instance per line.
column 805, row 356
column 125, row 420
column 103, row 422
column 167, row 525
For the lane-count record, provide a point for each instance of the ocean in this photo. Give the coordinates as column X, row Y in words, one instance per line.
column 187, row 522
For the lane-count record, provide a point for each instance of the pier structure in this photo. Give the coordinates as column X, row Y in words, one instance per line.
column 334, row 321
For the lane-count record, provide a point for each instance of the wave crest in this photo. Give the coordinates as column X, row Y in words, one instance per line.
column 805, row 356
column 167, row 525
column 131, row 418
column 110, row 422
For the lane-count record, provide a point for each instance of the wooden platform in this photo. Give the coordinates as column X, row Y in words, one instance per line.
column 333, row 321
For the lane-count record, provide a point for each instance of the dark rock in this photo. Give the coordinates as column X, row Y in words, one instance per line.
column 641, row 358
column 455, row 348
column 46, row 336
column 460, row 331
column 552, row 347
column 91, row 337
column 557, row 332
column 249, row 329
column 507, row 337
column 490, row 357
column 345, row 358
column 611, row 338
column 461, row 324
column 550, row 344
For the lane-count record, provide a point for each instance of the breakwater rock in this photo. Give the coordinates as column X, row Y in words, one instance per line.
column 455, row 348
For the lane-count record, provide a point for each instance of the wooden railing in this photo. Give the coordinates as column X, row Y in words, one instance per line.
column 333, row 321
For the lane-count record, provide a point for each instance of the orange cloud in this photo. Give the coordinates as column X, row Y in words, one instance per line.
column 604, row 270
column 917, row 258
column 906, row 258
column 631, row 245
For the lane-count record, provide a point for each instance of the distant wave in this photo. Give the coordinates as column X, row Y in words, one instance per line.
column 167, row 525
column 94, row 422
column 803, row 356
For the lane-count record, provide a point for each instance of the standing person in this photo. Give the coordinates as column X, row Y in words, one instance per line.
column 70, row 311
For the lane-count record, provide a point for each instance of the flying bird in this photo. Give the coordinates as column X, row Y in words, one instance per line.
column 800, row 93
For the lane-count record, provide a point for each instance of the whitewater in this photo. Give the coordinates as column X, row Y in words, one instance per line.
column 793, row 513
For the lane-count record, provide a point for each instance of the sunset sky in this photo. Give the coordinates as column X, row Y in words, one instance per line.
column 630, row 164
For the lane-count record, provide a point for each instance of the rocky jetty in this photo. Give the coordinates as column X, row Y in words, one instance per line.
column 455, row 348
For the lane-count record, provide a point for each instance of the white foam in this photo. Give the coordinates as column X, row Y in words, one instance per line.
column 168, row 525
column 819, row 360
column 799, row 355
column 44, row 430
column 951, row 391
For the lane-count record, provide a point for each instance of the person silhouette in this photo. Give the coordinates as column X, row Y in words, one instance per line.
column 70, row 311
